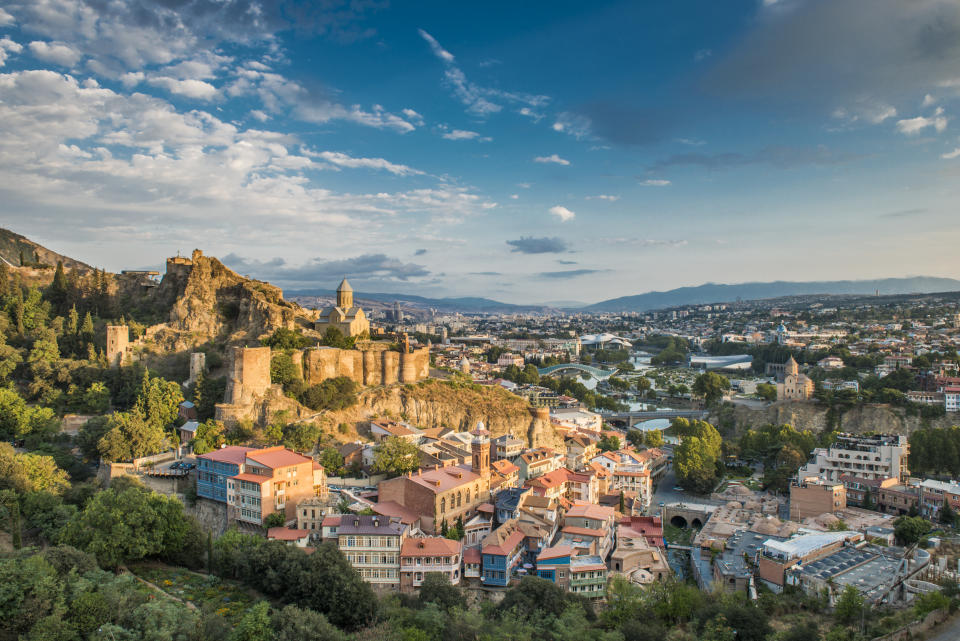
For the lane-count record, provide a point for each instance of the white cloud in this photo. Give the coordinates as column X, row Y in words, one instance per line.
column 562, row 213
column 262, row 116
column 655, row 182
column 873, row 112
column 438, row 51
column 413, row 117
column 196, row 89
column 514, row 196
column 950, row 155
column 530, row 113
column 912, row 126
column 8, row 45
column 132, row 78
column 552, row 158
column 606, row 197
column 702, row 54
column 343, row 160
column 55, row 52
column 6, row 20
column 929, row 101
column 460, row 134
column 574, row 124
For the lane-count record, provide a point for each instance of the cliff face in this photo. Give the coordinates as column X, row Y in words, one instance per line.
column 811, row 416
column 432, row 404
column 209, row 301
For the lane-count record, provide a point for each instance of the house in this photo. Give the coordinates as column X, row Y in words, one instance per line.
column 504, row 474
column 272, row 479
column 507, row 447
column 298, row 538
column 580, row 450
column 310, row 514
column 866, row 456
column 187, row 411
column 372, row 545
column 381, row 430
column 538, row 461
column 859, row 490
column 444, row 494
column 424, row 554
column 472, row 562
column 508, row 503
column 830, row 362
column 553, row 564
column 330, row 527
column 502, row 552
column 898, row 499
column 589, row 526
column 933, row 496
column 476, row 529
column 188, row 431
column 637, row 554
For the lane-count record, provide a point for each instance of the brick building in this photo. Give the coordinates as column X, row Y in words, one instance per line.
column 424, row 554
column 814, row 496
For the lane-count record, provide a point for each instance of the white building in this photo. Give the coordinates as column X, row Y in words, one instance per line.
column 869, row 457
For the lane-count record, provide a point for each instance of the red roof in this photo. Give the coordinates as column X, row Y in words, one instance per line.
column 235, row 454
column 582, row 531
column 279, row 456
column 430, row 546
column 392, row 508
column 508, row 545
column 556, row 552
column 485, row 507
column 331, row 521
column 590, row 511
column 472, row 555
column 286, row 534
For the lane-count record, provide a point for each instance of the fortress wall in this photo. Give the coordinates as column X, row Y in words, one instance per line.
column 372, row 368
column 391, row 367
column 408, row 368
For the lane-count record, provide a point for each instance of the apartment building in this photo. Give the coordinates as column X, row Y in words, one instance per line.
column 422, row 555
column 507, row 447
column 813, row 496
column 214, row 468
column 539, row 461
column 272, row 479
column 372, row 545
column 870, row 457
column 590, row 527
column 933, row 495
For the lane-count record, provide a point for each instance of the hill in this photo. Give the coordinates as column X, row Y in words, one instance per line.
column 718, row 293
column 14, row 246
column 463, row 304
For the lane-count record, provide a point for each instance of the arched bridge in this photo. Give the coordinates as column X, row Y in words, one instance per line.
column 595, row 372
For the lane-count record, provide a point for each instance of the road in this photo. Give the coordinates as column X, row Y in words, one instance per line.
column 665, row 492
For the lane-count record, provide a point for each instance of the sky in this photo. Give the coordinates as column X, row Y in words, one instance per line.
column 528, row 152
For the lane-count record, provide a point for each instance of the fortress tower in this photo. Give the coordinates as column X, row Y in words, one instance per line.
column 118, row 339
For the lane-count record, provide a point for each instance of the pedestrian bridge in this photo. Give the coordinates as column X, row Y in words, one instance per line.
column 596, row 372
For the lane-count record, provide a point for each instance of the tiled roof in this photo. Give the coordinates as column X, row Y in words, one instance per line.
column 430, row 546
column 253, row 478
column 445, row 478
column 286, row 534
column 235, row 454
column 279, row 456
column 331, row 521
column 582, row 531
column 392, row 508
column 472, row 555
column 590, row 511
column 505, row 467
column 366, row 524
column 557, row 551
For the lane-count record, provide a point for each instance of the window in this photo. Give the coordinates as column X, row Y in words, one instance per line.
column 443, row 504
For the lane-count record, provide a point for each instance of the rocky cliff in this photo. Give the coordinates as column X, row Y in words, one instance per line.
column 812, row 416
column 434, row 403
column 208, row 301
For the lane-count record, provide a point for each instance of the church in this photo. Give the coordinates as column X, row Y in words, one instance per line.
column 350, row 320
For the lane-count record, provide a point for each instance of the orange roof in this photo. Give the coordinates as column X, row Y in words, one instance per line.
column 472, row 555
column 331, row 521
column 485, row 507
column 506, row 546
column 279, row 456
column 505, row 467
column 430, row 546
column 590, row 511
column 555, row 552
column 392, row 508
column 286, row 534
column 253, row 478
column 445, row 478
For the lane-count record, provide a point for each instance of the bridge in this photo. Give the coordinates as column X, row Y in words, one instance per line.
column 596, row 372
column 632, row 418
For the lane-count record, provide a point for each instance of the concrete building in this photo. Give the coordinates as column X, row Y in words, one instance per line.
column 422, row 555
column 779, row 556
column 372, row 545
column 214, row 468
column 539, row 461
column 813, row 496
column 871, row 457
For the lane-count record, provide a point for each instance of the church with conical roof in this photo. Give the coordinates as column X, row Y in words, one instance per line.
column 345, row 316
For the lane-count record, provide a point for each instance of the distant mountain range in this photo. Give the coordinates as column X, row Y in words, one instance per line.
column 464, row 304
column 714, row 293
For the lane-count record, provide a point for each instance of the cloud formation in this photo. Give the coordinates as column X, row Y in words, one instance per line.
column 326, row 273
column 569, row 273
column 544, row 245
column 780, row 156
column 562, row 213
column 552, row 158
column 910, row 126
column 339, row 159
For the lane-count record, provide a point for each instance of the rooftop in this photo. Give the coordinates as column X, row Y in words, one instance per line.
column 235, row 454
column 279, row 456
column 430, row 546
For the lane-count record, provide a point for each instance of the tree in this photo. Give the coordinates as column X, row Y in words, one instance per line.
column 96, row 399
column 275, row 519
column 436, row 588
column 653, row 438
column 283, row 338
column 128, row 436
column 849, row 606
column 283, row 370
column 395, row 456
column 697, row 459
column 301, row 437
column 331, row 394
column 767, row 392
column 947, row 515
column 609, row 444
column 930, row 601
column 711, row 386
column 30, row 472
column 297, row 624
column 910, row 529
column 332, row 461
column 255, row 624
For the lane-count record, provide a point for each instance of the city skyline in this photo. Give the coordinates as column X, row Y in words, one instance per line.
column 524, row 154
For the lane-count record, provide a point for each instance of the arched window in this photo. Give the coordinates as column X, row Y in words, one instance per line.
column 459, row 499
column 468, row 496
column 443, row 504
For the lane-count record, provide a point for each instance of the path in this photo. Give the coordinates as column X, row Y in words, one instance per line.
column 189, row 604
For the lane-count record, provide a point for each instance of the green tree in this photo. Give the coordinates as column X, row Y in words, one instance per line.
column 283, row 370
column 128, row 436
column 947, row 514
column 436, row 588
column 283, row 338
column 274, row 519
column 255, row 624
column 301, row 437
column 296, row 624
column 331, row 394
column 767, row 392
column 850, row 604
column 711, row 386
column 96, row 399
column 30, row 472
column 910, row 529
column 609, row 444
column 332, row 461
column 930, row 601
column 395, row 456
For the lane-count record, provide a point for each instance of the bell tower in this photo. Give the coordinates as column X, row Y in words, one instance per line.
column 480, row 447
column 344, row 295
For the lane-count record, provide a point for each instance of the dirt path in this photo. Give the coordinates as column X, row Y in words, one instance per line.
column 189, row 604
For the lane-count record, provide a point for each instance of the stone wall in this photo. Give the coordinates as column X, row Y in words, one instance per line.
column 916, row 629
column 371, row 364
column 118, row 338
column 809, row 415
column 249, row 375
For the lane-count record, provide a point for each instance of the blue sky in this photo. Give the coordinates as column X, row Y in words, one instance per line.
column 528, row 152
